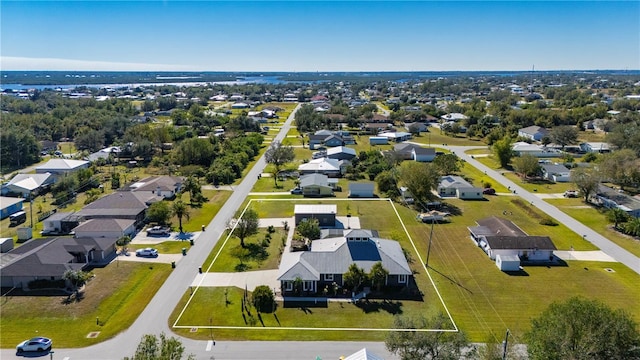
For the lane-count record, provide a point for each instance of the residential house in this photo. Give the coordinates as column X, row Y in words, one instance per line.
column 375, row 118
column 414, row 152
column 611, row 199
column 329, row 259
column 420, row 127
column 522, row 148
column 363, row 354
column 454, row 117
column 59, row 167
column 105, row 228
column 361, row 190
column 240, row 105
column 333, row 140
column 50, row 258
column 329, row 167
column 501, row 239
column 456, row 186
column 599, row 147
column 317, row 185
column 375, row 128
column 9, row 206
column 556, row 172
column 165, row 186
column 119, row 205
column 325, row 214
column 28, row 184
column 341, row 153
column 535, row 133
column 396, row 136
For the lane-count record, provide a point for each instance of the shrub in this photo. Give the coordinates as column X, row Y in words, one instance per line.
column 263, row 299
column 548, row 221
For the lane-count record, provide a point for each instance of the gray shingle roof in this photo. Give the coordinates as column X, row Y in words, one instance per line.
column 520, row 242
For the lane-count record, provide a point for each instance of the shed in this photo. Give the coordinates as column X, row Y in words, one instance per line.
column 9, row 206
column 6, row 244
column 326, row 214
column 508, row 262
column 378, row 140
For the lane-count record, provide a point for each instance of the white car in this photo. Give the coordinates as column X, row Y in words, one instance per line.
column 158, row 230
column 35, row 344
column 147, row 252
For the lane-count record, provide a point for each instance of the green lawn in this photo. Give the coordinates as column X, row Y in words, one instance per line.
column 253, row 257
column 597, row 221
column 434, row 138
column 116, row 296
column 199, row 216
column 545, row 188
column 166, row 247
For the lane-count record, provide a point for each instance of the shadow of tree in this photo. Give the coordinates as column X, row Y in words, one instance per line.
column 392, row 307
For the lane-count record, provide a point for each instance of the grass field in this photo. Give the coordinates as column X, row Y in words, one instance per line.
column 203, row 215
column 254, row 257
column 115, row 296
column 597, row 221
column 434, row 138
column 483, row 300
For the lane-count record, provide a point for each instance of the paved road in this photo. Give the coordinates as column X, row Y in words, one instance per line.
column 606, row 245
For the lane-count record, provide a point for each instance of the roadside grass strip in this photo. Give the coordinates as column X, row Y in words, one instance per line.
column 349, row 311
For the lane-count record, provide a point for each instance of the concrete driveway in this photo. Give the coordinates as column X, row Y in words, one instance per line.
column 248, row 279
column 162, row 258
column 143, row 238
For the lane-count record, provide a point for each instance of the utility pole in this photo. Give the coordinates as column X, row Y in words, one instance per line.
column 504, row 345
column 430, row 237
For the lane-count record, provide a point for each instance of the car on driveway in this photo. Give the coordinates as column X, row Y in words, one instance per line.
column 571, row 194
column 35, row 344
column 489, row 191
column 147, row 252
column 296, row 191
column 158, row 230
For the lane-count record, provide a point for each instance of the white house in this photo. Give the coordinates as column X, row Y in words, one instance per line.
column 165, row 186
column 396, row 136
column 329, row 167
column 535, row 133
column 599, row 147
column 25, row 184
column 454, row 117
column 57, row 167
column 456, row 186
column 556, row 172
column 522, row 148
column 361, row 190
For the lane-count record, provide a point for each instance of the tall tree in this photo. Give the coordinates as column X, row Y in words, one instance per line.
column 159, row 212
column 378, row 275
column 263, row 299
column 583, row 329
column 421, row 345
column 621, row 167
column 354, row 277
column 420, row 179
column 152, row 348
column 77, row 278
column 586, row 180
column 246, row 226
column 564, row 135
column 179, row 209
column 526, row 165
column 502, row 151
column 447, row 164
column 193, row 187
column 278, row 155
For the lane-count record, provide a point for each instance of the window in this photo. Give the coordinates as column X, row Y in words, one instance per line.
column 328, row 277
column 288, row 285
column 402, row 279
column 307, row 286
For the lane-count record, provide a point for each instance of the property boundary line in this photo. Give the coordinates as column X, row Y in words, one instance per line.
column 176, row 326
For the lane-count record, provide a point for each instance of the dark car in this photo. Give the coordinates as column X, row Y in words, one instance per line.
column 489, row 191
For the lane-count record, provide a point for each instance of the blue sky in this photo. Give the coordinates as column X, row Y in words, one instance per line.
column 319, row 36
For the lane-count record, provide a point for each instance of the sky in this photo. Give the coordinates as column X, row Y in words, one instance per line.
column 314, row 36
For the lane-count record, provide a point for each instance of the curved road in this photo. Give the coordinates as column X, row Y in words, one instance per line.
column 153, row 319
column 607, row 246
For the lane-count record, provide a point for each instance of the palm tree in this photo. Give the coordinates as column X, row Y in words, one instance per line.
column 180, row 210
column 632, row 227
column 378, row 275
column 617, row 216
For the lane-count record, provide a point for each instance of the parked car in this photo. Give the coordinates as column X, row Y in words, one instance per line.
column 571, row 194
column 158, row 230
column 489, row 191
column 296, row 191
column 147, row 252
column 35, row 344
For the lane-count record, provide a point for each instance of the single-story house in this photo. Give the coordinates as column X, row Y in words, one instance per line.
column 375, row 128
column 329, row 167
column 165, row 186
column 378, row 140
column 26, row 184
column 326, row 214
column 59, row 223
column 119, row 205
column 109, row 228
column 333, row 140
column 317, row 185
column 611, row 199
column 535, row 133
column 58, row 167
column 329, row 259
column 498, row 236
column 9, row 206
column 523, row 148
column 414, row 152
column 341, row 153
column 375, row 118
column 361, row 190
column 454, row 117
column 420, row 127
column 451, row 185
column 556, row 172
column 396, row 136
column 49, row 258
column 240, row 105
column 599, row 147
